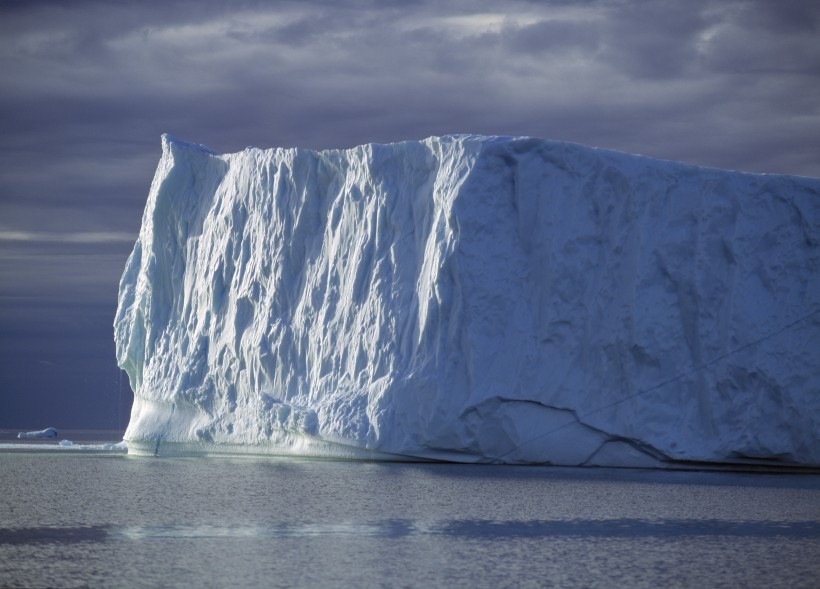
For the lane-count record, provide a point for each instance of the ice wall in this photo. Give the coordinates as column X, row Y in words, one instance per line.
column 474, row 299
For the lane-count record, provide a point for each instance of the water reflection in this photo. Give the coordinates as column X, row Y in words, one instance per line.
column 58, row 535
column 394, row 528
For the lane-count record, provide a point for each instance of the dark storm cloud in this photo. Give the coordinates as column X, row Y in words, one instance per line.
column 86, row 89
column 323, row 75
column 560, row 36
column 655, row 40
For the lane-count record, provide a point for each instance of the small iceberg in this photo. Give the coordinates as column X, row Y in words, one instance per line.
column 44, row 434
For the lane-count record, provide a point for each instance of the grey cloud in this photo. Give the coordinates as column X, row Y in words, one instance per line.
column 735, row 48
column 333, row 63
column 84, row 237
column 559, row 35
column 782, row 17
column 56, row 274
column 654, row 40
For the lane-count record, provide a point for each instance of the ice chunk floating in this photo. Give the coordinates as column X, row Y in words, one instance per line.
column 478, row 299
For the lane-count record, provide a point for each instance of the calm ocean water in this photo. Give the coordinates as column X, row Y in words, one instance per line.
column 92, row 520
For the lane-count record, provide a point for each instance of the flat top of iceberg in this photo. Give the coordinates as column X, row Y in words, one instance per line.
column 169, row 140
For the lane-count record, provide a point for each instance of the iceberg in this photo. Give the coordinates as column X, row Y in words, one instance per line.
column 473, row 299
column 65, row 446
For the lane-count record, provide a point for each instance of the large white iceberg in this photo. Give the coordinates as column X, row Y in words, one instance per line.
column 478, row 299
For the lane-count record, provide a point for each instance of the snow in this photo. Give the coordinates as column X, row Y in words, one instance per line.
column 477, row 299
column 46, row 433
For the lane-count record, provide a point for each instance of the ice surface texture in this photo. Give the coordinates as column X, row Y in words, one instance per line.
column 475, row 299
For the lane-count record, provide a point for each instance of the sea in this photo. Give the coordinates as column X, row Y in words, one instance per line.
column 71, row 517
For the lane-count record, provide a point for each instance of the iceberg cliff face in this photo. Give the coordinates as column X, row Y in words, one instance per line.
column 475, row 299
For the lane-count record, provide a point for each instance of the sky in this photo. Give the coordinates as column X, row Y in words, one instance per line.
column 88, row 87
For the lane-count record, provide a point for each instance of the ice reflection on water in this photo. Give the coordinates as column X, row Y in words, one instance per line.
column 623, row 528
column 115, row 521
